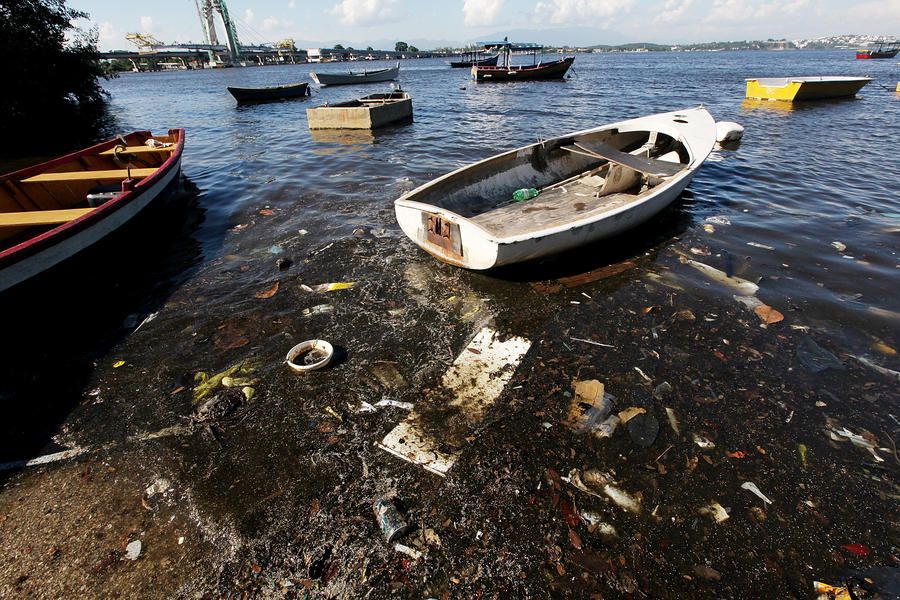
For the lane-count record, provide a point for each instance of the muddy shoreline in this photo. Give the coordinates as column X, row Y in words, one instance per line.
column 275, row 498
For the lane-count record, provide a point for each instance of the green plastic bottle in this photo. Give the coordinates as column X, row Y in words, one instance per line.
column 523, row 194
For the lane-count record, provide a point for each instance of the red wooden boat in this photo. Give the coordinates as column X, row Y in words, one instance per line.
column 881, row 50
column 544, row 70
column 52, row 211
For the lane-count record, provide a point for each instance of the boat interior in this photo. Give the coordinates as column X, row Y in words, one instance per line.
column 67, row 188
column 371, row 100
column 577, row 176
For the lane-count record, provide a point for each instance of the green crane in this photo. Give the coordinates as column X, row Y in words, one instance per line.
column 205, row 10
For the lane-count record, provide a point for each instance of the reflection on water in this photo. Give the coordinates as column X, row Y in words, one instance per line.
column 344, row 137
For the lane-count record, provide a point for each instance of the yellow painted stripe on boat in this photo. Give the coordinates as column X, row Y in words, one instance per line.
column 30, row 218
column 89, row 175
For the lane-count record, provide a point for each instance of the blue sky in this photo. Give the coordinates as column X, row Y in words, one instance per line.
column 426, row 23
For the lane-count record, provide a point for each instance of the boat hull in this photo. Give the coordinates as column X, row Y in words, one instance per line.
column 804, row 88
column 51, row 248
column 356, row 78
column 867, row 54
column 555, row 70
column 269, row 94
column 482, row 62
column 472, row 242
column 369, row 112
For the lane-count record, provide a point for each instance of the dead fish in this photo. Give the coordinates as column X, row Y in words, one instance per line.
column 742, row 286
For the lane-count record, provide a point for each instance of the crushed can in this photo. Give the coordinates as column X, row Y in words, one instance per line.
column 393, row 525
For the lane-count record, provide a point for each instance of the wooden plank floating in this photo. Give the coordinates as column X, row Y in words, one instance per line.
column 30, row 218
column 474, row 382
column 90, row 175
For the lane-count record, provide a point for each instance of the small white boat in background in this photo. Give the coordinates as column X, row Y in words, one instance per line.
column 592, row 185
column 352, row 77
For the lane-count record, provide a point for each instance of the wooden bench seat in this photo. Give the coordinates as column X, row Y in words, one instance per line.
column 139, row 150
column 647, row 166
column 111, row 175
column 30, row 218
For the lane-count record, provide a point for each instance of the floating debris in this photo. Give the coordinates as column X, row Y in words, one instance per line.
column 133, row 550
column 718, row 220
column 839, row 246
column 758, row 245
column 741, row 286
column 716, row 511
column 815, row 358
column 876, row 367
column 328, row 287
column 673, row 420
column 268, row 292
column 393, row 525
column 643, row 429
column 473, row 382
column 751, row 487
column 703, row 442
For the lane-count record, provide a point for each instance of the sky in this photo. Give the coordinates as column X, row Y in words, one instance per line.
column 434, row 23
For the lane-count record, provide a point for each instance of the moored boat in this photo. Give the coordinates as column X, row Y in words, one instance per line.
column 354, row 77
column 470, row 59
column 504, row 70
column 269, row 94
column 52, row 211
column 592, row 184
column 804, row 88
column 880, row 50
column 368, row 112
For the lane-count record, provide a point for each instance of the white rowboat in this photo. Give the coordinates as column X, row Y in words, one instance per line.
column 593, row 184
column 353, row 77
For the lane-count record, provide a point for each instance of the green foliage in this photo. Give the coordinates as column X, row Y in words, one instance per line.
column 401, row 47
column 338, row 47
column 413, row 49
column 50, row 69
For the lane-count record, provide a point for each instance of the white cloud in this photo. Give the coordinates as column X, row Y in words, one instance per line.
column 292, row 4
column 580, row 12
column 146, row 24
column 745, row 10
column 366, row 12
column 481, row 12
column 673, row 11
column 274, row 23
column 249, row 16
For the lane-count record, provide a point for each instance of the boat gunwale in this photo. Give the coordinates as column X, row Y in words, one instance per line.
column 33, row 245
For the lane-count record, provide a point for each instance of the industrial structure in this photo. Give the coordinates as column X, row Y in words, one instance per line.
column 205, row 9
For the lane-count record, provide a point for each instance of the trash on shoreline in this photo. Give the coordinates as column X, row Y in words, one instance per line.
column 703, row 442
column 816, row 358
column 328, row 287
column 388, row 375
column 133, row 550
column 268, row 292
column 629, row 413
column 392, row 523
column 876, row 367
column 206, row 384
column 589, row 407
column 643, row 429
column 742, row 286
column 598, row 484
column 473, row 383
column 319, row 309
column 309, row 356
column 831, row 592
column 751, row 487
column 716, row 511
column 673, row 420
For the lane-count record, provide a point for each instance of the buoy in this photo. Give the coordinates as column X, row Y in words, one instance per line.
column 728, row 131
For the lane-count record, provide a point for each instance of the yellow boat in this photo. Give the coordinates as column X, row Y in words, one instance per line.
column 790, row 89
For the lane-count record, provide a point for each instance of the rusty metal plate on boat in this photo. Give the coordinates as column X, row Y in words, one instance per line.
column 442, row 233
